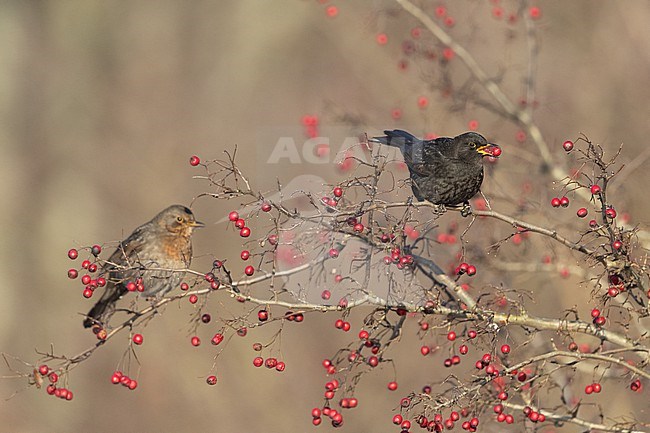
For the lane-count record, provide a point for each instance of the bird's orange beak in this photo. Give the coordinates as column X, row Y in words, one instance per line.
column 489, row 149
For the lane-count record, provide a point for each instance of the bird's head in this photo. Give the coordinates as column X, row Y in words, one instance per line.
column 178, row 220
column 473, row 146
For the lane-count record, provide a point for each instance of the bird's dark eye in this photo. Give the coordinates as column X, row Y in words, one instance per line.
column 179, row 219
column 472, row 145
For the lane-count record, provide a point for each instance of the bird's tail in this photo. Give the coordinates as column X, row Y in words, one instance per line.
column 108, row 300
column 396, row 138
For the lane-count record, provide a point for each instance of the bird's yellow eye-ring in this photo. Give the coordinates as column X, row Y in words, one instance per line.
column 472, row 145
column 179, row 219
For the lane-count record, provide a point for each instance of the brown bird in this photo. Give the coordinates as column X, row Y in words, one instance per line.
column 146, row 261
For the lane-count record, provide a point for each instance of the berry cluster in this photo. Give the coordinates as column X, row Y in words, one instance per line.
column 91, row 266
column 44, row 371
column 119, row 378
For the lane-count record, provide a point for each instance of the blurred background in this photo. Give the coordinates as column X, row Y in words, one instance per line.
column 103, row 103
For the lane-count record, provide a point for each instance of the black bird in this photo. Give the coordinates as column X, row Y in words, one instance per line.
column 445, row 171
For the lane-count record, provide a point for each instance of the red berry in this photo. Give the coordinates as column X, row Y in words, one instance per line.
column 423, row 102
column 338, row 192
column 564, row 201
column 471, row 334
column 245, row 255
column 133, row 384
column 597, row 387
column 263, row 315
column 595, row 313
column 266, row 207
column 211, row 380
column 425, row 350
column 568, row 145
column 610, row 212
column 555, row 202
column 196, row 341
column 43, row 370
column 96, row 250
column 249, row 270
column 334, row 253
column 138, row 339
column 87, row 293
column 617, row 245
column 505, row 349
column 535, row 12
column 194, row 161
column 326, row 294
column 595, row 189
column 582, row 212
column 193, row 299
column 72, row 274
column 233, row 216
column 358, row 227
column 382, row 39
column 392, row 386
column 397, row 419
column 218, row 338
column 471, row 270
column 245, row 232
column 448, row 53
column 589, row 389
column 451, row 336
column 73, row 254
column 53, row 377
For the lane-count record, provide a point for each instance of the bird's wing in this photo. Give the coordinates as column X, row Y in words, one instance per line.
column 396, row 138
column 426, row 157
column 124, row 264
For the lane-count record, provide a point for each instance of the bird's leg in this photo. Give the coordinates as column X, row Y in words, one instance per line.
column 440, row 209
column 466, row 210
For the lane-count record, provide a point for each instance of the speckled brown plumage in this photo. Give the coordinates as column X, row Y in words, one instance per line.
column 151, row 253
